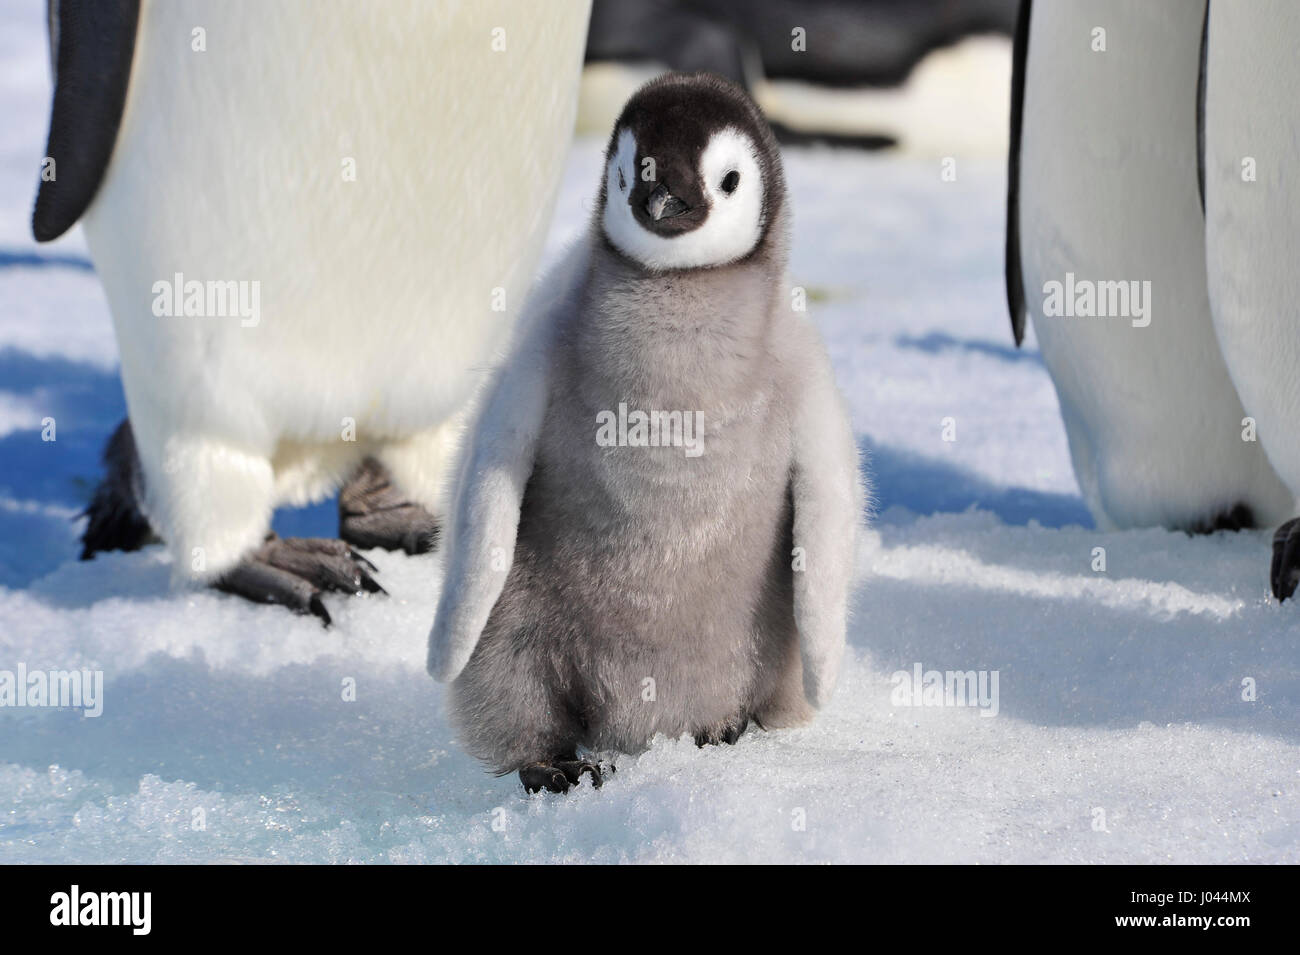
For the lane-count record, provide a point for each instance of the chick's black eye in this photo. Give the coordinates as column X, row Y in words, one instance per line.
column 730, row 181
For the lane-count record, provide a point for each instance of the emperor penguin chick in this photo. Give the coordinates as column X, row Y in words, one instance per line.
column 655, row 523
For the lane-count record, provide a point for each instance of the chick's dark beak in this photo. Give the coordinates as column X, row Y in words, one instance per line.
column 662, row 204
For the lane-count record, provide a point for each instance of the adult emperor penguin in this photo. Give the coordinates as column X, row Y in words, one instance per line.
column 1104, row 216
column 1252, row 209
column 654, row 528
column 314, row 224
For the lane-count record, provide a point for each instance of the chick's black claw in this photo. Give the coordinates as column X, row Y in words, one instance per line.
column 560, row 775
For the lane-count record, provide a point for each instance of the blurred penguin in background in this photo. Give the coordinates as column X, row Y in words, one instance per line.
column 927, row 75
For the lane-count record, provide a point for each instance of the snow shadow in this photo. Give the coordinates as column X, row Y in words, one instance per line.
column 44, row 484
column 936, row 342
column 925, row 485
column 86, row 403
column 34, row 259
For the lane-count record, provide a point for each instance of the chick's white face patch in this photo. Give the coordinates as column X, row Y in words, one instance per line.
column 732, row 180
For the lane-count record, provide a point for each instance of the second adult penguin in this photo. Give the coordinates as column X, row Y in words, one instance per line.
column 1252, row 204
column 1104, row 188
column 655, row 525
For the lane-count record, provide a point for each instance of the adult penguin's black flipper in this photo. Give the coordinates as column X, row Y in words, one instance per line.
column 92, row 43
column 1200, row 109
column 1015, row 281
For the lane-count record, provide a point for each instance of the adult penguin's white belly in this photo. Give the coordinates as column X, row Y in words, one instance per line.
column 383, row 173
column 1108, row 193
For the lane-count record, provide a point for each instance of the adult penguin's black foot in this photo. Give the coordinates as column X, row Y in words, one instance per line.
column 1239, row 517
column 293, row 572
column 1285, row 573
column 373, row 513
column 115, row 519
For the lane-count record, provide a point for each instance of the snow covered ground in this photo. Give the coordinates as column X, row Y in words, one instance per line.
column 1121, row 734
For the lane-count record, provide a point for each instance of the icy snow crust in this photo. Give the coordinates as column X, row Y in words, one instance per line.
column 1121, row 736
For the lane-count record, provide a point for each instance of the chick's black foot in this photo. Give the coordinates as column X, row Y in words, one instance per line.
column 727, row 732
column 558, row 775
column 1285, row 572
column 374, row 513
column 293, row 571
